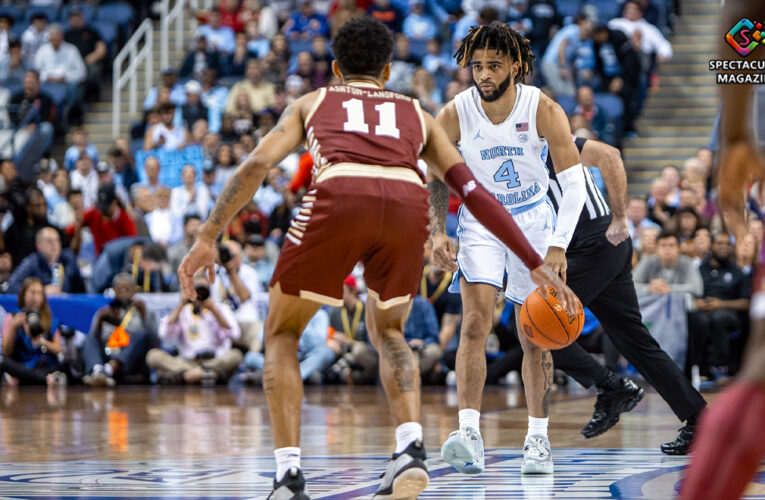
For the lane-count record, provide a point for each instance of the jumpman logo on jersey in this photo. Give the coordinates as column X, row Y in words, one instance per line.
column 478, row 135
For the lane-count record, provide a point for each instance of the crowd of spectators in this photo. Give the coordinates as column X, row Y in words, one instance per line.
column 682, row 247
column 121, row 221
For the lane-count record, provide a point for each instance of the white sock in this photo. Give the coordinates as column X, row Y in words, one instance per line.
column 537, row 426
column 97, row 369
column 406, row 433
column 108, row 370
column 470, row 418
column 286, row 458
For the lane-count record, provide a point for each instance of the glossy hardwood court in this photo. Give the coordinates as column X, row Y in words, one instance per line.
column 214, row 443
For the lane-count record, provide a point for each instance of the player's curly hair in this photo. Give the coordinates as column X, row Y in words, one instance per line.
column 363, row 46
column 502, row 38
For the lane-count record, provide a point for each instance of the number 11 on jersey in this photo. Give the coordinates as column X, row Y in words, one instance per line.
column 354, row 110
column 506, row 172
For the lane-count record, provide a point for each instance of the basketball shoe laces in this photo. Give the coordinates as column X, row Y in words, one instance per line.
column 537, row 448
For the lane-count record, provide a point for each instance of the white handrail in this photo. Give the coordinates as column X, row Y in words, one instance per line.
column 167, row 17
column 144, row 34
column 206, row 5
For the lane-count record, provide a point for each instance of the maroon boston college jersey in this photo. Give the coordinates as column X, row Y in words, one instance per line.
column 363, row 124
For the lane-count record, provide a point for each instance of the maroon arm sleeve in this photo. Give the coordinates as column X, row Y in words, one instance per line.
column 490, row 213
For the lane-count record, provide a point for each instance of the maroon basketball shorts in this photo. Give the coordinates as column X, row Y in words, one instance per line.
column 357, row 213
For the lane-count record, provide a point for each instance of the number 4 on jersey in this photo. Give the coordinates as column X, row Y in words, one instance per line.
column 506, row 172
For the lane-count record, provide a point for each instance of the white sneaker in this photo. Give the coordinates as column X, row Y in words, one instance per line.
column 537, row 458
column 464, row 451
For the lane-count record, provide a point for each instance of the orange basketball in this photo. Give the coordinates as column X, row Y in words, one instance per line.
column 545, row 322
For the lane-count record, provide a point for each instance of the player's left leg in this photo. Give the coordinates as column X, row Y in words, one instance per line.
column 287, row 317
column 537, row 368
column 406, row 475
column 537, row 375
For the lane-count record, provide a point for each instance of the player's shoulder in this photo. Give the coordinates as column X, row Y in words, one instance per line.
column 546, row 103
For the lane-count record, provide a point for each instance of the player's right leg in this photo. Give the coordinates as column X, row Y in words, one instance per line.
column 481, row 260
column 287, row 317
column 464, row 448
column 729, row 444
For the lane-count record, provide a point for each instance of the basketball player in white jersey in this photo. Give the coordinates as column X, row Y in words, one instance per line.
column 501, row 127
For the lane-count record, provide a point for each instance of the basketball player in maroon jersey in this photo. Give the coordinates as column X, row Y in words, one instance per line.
column 730, row 442
column 367, row 203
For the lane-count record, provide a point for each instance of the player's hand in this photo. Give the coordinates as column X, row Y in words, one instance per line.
column 202, row 254
column 740, row 164
column 543, row 277
column 618, row 231
column 444, row 254
column 556, row 259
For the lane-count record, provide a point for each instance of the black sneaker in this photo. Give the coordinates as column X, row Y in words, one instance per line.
column 610, row 404
column 291, row 487
column 682, row 442
column 406, row 476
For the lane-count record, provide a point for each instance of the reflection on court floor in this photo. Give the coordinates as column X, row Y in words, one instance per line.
column 580, row 473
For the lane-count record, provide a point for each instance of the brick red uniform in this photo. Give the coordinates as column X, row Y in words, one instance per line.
column 367, row 201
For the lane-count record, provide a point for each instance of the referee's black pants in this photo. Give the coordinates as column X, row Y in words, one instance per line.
column 601, row 275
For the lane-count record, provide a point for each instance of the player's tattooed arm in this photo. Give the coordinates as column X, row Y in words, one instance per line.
column 249, row 175
column 279, row 128
column 439, row 204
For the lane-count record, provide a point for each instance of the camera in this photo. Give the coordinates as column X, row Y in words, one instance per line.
column 203, row 293
column 224, row 254
column 34, row 320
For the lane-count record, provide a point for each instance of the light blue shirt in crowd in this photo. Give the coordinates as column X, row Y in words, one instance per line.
column 570, row 33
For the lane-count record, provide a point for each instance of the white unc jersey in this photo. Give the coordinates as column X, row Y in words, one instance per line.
column 505, row 158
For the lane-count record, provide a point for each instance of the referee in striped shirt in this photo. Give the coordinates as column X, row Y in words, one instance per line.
column 600, row 273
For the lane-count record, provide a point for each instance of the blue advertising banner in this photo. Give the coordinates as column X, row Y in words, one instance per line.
column 171, row 163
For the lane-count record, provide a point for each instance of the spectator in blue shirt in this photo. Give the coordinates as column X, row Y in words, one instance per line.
column 556, row 62
column 170, row 81
column 443, row 10
column 255, row 256
column 219, row 38
column 56, row 269
column 80, row 144
column 31, row 340
column 486, row 16
column 418, row 25
column 305, row 23
column 435, row 59
column 421, row 333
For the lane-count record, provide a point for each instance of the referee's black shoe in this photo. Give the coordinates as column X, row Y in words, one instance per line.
column 291, row 487
column 682, row 442
column 610, row 404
